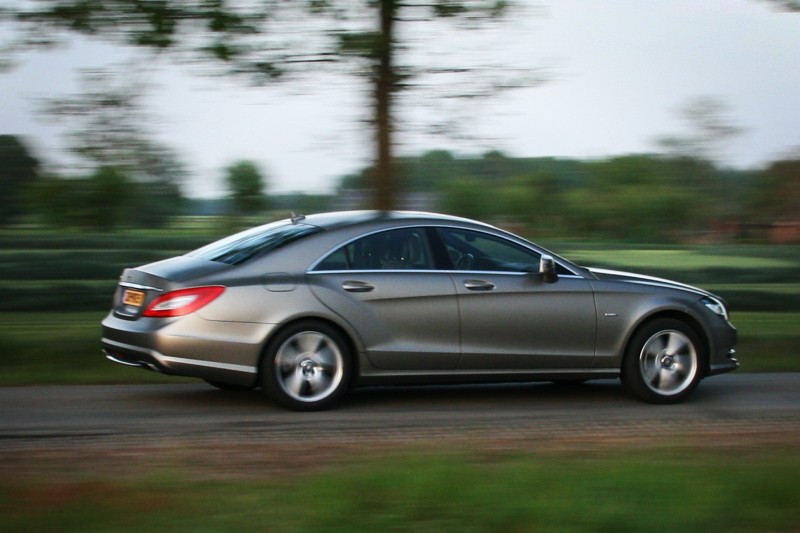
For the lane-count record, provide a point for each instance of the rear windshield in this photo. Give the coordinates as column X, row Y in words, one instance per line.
column 253, row 243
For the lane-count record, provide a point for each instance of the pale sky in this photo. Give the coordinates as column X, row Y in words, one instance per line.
column 620, row 69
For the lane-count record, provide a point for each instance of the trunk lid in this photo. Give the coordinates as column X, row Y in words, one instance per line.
column 141, row 285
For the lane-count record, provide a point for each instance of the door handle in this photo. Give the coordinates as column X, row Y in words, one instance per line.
column 357, row 286
column 479, row 285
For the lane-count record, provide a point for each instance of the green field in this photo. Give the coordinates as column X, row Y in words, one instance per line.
column 664, row 489
column 55, row 289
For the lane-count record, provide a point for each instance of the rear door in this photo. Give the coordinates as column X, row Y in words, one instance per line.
column 386, row 287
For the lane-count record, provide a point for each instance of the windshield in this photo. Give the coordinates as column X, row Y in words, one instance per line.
column 253, row 243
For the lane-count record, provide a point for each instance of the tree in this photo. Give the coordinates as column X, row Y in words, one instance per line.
column 246, row 185
column 107, row 198
column 777, row 197
column 259, row 40
column 108, row 123
column 709, row 126
column 787, row 5
column 100, row 201
column 635, row 197
column 18, row 171
column 109, row 126
column 467, row 197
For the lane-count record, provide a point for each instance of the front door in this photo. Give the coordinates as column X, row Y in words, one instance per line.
column 510, row 318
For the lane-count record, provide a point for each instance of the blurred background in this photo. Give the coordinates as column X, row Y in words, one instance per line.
column 658, row 137
column 670, row 121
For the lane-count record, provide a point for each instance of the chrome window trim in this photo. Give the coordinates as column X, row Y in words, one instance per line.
column 448, row 272
column 524, row 244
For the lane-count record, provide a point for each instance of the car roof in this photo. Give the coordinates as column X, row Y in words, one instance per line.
column 341, row 219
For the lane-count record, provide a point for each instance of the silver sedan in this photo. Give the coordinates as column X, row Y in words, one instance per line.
column 308, row 307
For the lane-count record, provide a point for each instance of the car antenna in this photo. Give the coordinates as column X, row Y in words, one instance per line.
column 296, row 218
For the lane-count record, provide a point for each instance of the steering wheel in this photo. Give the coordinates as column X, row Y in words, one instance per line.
column 465, row 262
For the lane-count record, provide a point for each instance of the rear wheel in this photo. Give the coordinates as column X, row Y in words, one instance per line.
column 663, row 363
column 306, row 367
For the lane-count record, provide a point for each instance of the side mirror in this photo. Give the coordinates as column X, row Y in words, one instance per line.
column 547, row 268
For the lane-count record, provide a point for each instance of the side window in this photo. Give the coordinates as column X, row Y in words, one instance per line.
column 470, row 250
column 401, row 249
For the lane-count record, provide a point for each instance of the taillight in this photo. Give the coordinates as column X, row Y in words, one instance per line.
column 182, row 302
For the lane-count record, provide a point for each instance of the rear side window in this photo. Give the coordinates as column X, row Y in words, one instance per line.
column 253, row 243
column 400, row 249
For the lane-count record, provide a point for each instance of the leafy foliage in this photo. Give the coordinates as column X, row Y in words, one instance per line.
column 18, row 171
column 246, row 184
column 639, row 197
column 107, row 199
column 779, row 196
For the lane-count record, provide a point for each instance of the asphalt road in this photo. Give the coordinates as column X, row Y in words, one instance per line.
column 90, row 432
column 732, row 403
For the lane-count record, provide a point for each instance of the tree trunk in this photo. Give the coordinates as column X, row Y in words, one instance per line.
column 384, row 177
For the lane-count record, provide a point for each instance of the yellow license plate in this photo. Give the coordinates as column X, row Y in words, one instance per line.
column 133, row 297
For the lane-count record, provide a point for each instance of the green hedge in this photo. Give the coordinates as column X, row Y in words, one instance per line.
column 78, row 271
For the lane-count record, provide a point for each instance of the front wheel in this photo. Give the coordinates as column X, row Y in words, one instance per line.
column 306, row 367
column 663, row 363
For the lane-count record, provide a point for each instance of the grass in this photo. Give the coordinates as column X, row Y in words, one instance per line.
column 677, row 259
column 768, row 342
column 60, row 348
column 622, row 490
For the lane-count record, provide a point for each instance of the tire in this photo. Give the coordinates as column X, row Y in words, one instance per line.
column 664, row 362
column 306, row 367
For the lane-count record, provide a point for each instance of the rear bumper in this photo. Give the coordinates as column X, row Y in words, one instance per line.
column 132, row 356
column 152, row 360
column 189, row 347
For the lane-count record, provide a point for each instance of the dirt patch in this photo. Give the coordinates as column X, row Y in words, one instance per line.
column 261, row 456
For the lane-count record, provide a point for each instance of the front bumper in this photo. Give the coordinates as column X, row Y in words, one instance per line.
column 730, row 363
column 723, row 345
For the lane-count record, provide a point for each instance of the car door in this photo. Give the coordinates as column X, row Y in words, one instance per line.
column 386, row 287
column 510, row 317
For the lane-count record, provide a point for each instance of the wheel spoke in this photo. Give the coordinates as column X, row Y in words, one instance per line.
column 683, row 363
column 294, row 382
column 327, row 357
column 309, row 342
column 288, row 356
column 666, row 380
column 675, row 343
column 320, row 383
column 650, row 371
